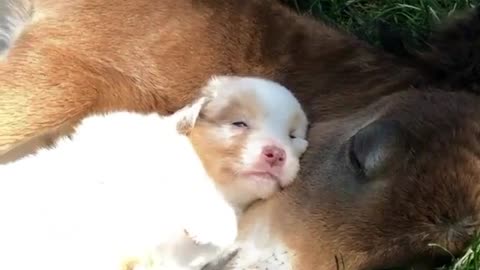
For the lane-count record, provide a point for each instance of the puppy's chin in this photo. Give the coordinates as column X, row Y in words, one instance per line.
column 262, row 185
column 243, row 190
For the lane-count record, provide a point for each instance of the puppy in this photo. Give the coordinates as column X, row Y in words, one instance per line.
column 129, row 187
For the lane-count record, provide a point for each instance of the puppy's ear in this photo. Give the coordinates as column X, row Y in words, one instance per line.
column 188, row 115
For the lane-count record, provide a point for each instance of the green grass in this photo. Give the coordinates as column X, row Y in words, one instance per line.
column 470, row 261
column 415, row 19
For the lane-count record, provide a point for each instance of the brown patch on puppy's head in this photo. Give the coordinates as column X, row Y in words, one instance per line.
column 250, row 137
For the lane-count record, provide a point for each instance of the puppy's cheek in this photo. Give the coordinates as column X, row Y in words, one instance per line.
column 238, row 145
column 236, row 165
column 250, row 153
column 225, row 134
column 300, row 146
column 291, row 170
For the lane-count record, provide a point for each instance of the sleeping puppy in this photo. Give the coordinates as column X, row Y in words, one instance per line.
column 139, row 191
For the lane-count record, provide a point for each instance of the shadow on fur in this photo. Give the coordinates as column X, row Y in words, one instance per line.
column 450, row 57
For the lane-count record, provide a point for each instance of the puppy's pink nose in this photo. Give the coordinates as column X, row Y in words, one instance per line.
column 273, row 155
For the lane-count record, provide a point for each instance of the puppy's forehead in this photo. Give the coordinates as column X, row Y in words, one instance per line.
column 280, row 105
column 242, row 104
column 257, row 98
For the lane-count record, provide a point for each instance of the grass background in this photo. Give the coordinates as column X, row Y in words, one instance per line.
column 414, row 19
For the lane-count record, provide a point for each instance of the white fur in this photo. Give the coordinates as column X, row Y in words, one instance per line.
column 274, row 256
column 128, row 186
column 257, row 248
column 272, row 126
column 123, row 185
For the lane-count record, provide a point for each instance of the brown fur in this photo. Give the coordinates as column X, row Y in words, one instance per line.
column 241, row 105
column 333, row 217
column 450, row 59
column 221, row 158
column 84, row 56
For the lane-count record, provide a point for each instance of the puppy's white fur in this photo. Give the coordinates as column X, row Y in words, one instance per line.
column 125, row 186
column 122, row 185
column 277, row 119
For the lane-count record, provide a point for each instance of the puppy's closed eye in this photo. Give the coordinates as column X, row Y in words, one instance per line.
column 240, row 124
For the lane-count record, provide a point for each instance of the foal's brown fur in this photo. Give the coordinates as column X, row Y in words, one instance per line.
column 82, row 56
column 422, row 203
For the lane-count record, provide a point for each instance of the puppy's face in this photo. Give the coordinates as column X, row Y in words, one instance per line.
column 250, row 136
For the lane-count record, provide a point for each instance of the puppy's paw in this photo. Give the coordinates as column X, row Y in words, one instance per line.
column 218, row 228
